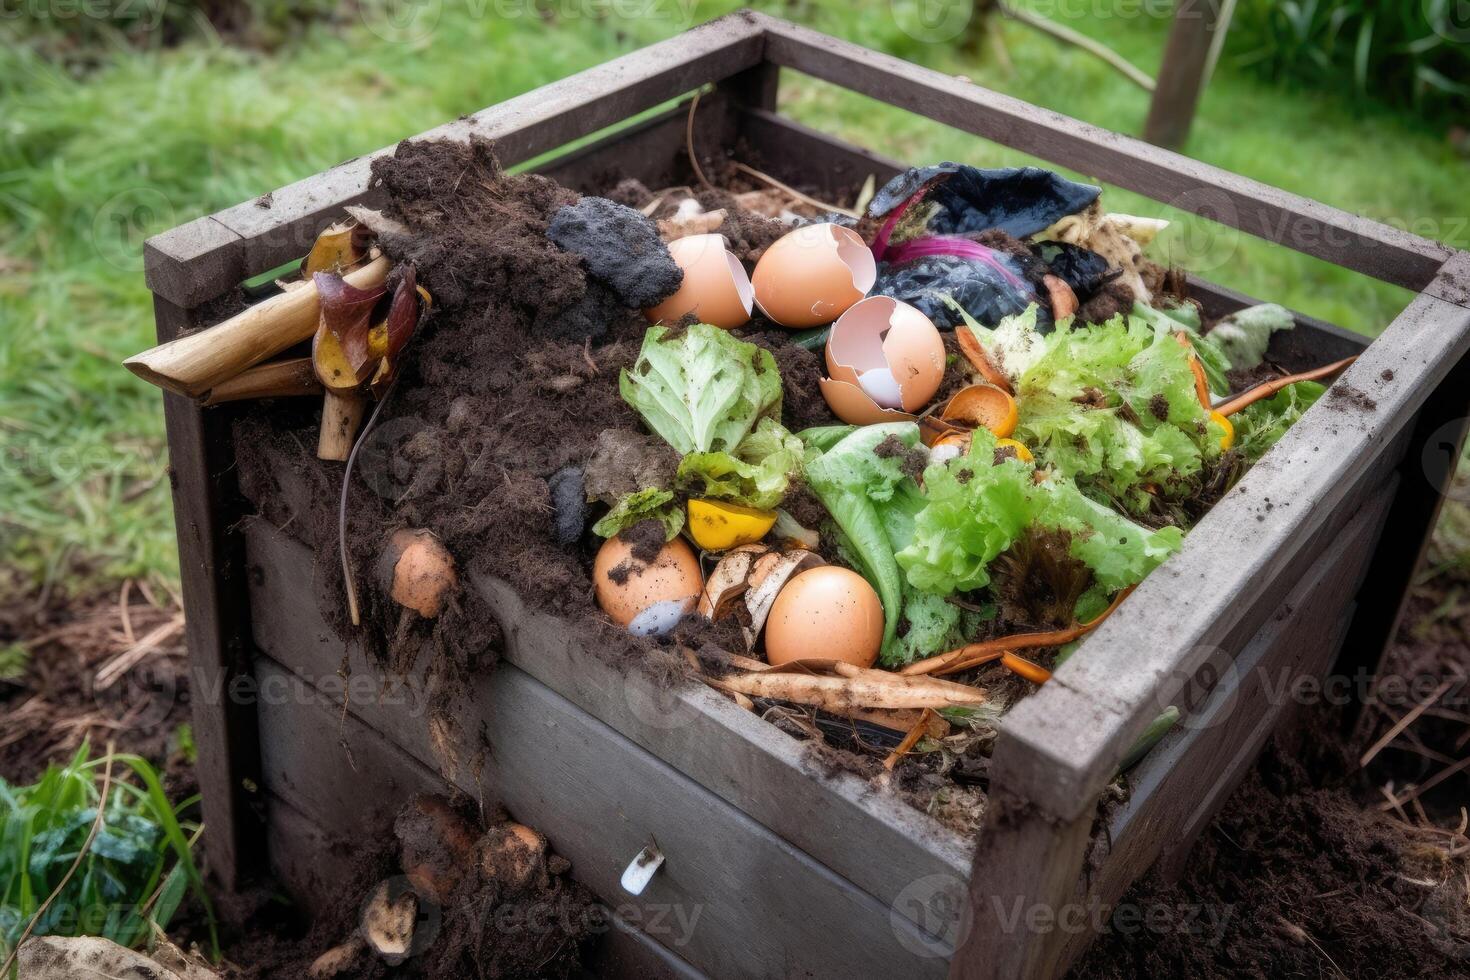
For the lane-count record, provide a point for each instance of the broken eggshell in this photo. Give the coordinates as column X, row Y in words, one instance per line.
column 885, row 359
column 626, row 586
column 812, row 275
column 715, row 289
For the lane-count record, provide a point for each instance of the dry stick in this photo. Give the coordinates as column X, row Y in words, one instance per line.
column 1406, row 721
column 76, row 863
column 278, row 379
column 194, row 364
column 974, row 654
column 348, row 582
column 788, row 189
column 689, row 142
column 910, row 740
column 1433, row 781
column 1269, row 388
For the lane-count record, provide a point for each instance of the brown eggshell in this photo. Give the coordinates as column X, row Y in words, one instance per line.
column 813, row 275
column 825, row 613
column 881, row 332
column 715, row 287
column 852, row 405
column 626, row 586
column 418, row 571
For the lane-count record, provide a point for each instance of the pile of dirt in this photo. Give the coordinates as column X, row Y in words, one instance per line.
column 454, row 895
column 51, row 699
column 1309, row 870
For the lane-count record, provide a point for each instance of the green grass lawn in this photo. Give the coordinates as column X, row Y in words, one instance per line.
column 92, row 164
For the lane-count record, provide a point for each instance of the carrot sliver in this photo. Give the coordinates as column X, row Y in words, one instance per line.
column 1021, row 667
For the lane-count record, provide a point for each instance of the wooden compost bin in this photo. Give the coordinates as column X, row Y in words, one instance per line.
column 786, row 871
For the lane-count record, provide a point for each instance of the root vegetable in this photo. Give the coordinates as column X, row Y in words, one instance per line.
column 514, row 855
column 277, row 379
column 194, row 364
column 418, row 571
column 975, row 353
column 388, row 923
column 1063, row 300
column 858, row 689
column 336, row 961
column 436, row 845
column 1021, row 667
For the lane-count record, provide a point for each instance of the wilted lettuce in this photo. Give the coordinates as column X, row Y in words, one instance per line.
column 1259, row 426
column 1112, row 406
column 976, row 508
column 701, row 389
column 757, row 474
column 634, row 508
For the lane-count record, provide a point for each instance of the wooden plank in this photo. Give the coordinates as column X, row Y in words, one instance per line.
column 1307, row 226
column 732, row 897
column 1182, row 75
column 523, row 127
column 194, row 262
column 206, row 501
column 743, row 760
column 1434, row 453
column 1201, row 594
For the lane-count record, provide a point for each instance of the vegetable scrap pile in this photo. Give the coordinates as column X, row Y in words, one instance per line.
column 873, row 477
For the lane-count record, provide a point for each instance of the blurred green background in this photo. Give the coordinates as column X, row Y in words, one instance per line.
column 123, row 118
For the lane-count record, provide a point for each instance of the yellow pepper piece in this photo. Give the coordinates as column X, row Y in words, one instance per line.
column 1022, row 453
column 716, row 525
column 1223, row 421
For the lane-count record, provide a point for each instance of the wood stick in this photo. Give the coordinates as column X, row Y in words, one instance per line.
column 276, row 379
column 341, row 415
column 1269, row 388
column 194, row 364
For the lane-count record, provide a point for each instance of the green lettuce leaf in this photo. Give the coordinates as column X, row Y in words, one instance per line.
column 1259, row 426
column 977, row 508
column 853, row 481
column 701, row 389
column 634, row 508
column 757, row 474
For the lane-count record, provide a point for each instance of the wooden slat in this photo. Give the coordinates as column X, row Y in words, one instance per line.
column 734, row 898
column 1062, row 744
column 1329, row 233
column 205, row 500
column 1182, row 79
column 523, row 127
column 740, row 758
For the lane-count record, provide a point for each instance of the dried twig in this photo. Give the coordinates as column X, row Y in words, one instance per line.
column 788, row 189
column 910, row 740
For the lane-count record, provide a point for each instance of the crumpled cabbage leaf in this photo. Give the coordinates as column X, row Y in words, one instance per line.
column 643, row 505
column 701, row 389
column 1259, row 426
column 1244, row 335
column 976, row 508
column 757, row 474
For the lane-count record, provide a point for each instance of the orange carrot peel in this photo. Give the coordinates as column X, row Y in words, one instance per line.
column 911, row 739
column 1269, row 388
column 975, row 654
column 975, row 353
